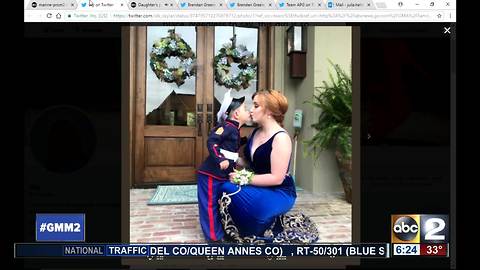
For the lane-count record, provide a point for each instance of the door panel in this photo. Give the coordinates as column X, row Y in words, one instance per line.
column 169, row 152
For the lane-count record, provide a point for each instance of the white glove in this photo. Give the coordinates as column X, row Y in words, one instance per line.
column 229, row 155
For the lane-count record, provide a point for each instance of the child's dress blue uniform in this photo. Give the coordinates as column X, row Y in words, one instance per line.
column 210, row 177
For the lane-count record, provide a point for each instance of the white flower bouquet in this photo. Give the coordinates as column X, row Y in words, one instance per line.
column 242, row 177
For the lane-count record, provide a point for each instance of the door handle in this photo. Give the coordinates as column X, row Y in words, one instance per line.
column 209, row 121
column 199, row 124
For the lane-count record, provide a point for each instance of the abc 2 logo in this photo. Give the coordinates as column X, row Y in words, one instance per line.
column 416, row 228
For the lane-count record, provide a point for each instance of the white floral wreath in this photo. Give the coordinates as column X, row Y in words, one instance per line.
column 172, row 46
column 229, row 54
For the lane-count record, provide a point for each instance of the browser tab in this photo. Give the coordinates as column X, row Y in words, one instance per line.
column 251, row 4
column 101, row 5
column 152, row 4
column 352, row 4
column 300, row 4
column 52, row 4
column 202, row 4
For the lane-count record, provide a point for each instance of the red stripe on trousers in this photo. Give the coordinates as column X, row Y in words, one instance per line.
column 210, row 208
column 218, row 178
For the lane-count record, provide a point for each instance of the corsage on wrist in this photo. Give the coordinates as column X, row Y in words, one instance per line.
column 242, row 177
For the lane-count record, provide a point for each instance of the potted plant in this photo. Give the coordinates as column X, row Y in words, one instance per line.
column 334, row 125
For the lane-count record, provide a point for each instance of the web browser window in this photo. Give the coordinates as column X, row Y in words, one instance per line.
column 246, row 134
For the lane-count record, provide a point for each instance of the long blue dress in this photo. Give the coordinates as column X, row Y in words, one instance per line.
column 254, row 209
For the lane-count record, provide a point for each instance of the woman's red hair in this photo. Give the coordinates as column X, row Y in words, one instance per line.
column 275, row 102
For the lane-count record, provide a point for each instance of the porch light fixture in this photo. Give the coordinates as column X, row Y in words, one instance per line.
column 297, row 51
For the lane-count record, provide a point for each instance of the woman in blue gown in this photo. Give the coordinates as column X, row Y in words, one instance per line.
column 258, row 212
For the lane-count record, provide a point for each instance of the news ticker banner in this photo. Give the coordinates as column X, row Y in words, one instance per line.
column 411, row 235
column 47, row 250
column 420, row 235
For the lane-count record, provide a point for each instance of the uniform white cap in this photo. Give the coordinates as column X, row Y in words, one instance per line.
column 227, row 100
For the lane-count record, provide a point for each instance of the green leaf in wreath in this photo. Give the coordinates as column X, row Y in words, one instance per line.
column 164, row 43
column 235, row 53
column 179, row 72
column 181, row 46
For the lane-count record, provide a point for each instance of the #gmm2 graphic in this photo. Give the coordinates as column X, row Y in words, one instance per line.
column 60, row 227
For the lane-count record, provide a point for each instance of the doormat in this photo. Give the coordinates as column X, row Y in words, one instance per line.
column 174, row 194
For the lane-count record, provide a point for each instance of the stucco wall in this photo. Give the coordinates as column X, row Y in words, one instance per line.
column 324, row 43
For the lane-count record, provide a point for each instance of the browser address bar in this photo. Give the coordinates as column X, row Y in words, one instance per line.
column 241, row 16
column 308, row 16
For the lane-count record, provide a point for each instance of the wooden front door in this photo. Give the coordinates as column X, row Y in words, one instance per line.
column 171, row 121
